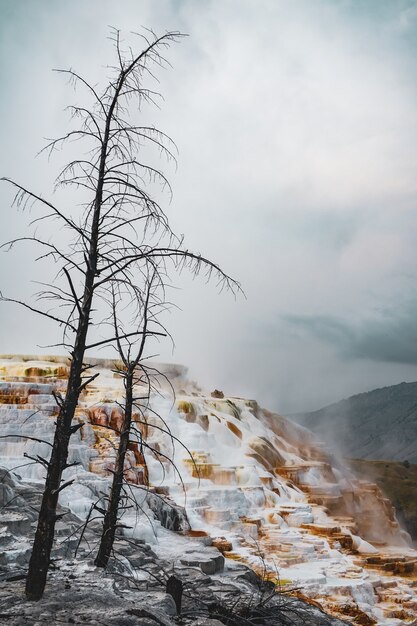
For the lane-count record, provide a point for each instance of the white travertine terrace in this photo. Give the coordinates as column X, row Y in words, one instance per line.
column 257, row 483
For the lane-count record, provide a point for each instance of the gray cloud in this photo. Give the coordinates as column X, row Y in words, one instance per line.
column 391, row 338
column 297, row 132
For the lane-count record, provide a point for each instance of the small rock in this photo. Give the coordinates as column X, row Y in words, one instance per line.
column 222, row 544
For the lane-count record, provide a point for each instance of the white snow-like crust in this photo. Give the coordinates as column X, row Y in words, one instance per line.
column 256, row 479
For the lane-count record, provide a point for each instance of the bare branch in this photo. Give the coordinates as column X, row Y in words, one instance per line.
column 34, row 310
column 134, row 334
column 34, row 196
column 26, row 437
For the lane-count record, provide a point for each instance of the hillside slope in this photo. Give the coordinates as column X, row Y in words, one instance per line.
column 379, row 424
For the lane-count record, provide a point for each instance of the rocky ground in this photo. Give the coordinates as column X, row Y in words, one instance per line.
column 133, row 591
column 78, row 593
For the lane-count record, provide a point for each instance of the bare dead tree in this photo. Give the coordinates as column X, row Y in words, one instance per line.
column 140, row 382
column 121, row 229
column 131, row 359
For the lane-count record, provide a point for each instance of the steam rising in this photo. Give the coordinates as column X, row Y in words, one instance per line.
column 296, row 128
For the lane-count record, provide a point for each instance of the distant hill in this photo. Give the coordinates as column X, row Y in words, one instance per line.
column 379, row 424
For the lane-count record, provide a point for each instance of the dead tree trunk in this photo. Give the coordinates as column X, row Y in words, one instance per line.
column 144, row 311
column 122, row 229
column 44, row 536
column 112, row 513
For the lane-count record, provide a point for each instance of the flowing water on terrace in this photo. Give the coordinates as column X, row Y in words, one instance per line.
column 256, row 485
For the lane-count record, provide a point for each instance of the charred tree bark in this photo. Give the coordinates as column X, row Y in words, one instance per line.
column 111, row 515
column 175, row 587
column 44, row 536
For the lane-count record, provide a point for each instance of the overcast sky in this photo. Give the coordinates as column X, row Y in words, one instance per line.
column 296, row 126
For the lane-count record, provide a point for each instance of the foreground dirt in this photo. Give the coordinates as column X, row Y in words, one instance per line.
column 79, row 593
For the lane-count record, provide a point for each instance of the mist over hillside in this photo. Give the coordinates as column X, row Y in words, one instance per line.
column 379, row 424
column 398, row 482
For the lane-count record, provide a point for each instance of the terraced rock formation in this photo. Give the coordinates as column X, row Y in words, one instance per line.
column 398, row 481
column 250, row 485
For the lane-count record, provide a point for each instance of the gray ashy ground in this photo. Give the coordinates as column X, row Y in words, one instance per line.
column 77, row 595
column 133, row 591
